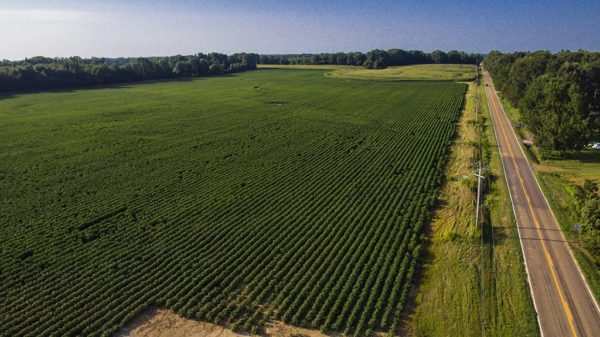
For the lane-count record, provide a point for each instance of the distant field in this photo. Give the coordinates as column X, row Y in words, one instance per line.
column 443, row 72
column 305, row 66
column 234, row 200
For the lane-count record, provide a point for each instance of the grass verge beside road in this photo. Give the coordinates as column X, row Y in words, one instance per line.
column 449, row 301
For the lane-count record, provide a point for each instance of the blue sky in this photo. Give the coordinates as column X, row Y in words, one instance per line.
column 155, row 27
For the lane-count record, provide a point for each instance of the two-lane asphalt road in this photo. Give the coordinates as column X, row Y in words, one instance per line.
column 563, row 301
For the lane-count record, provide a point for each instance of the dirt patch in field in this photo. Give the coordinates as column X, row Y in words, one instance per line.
column 279, row 329
column 158, row 322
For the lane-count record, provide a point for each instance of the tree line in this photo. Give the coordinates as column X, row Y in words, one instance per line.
column 558, row 95
column 43, row 73
column 375, row 59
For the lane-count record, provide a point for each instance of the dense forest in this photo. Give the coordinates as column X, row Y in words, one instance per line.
column 375, row 59
column 558, row 95
column 43, row 73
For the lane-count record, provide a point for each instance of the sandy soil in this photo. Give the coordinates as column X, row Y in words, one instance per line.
column 157, row 322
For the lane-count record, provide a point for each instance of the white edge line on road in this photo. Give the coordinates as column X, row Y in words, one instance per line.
column 550, row 207
column 512, row 204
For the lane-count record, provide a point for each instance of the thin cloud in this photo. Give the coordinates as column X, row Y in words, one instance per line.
column 33, row 16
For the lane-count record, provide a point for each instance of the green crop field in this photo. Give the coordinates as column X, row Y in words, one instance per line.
column 274, row 194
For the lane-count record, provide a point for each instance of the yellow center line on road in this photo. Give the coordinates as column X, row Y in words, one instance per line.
column 538, row 227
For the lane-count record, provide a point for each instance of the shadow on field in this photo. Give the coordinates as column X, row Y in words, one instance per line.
column 426, row 258
column 15, row 94
column 6, row 96
column 124, row 85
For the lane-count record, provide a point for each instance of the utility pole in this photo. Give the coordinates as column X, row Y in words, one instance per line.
column 479, row 177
